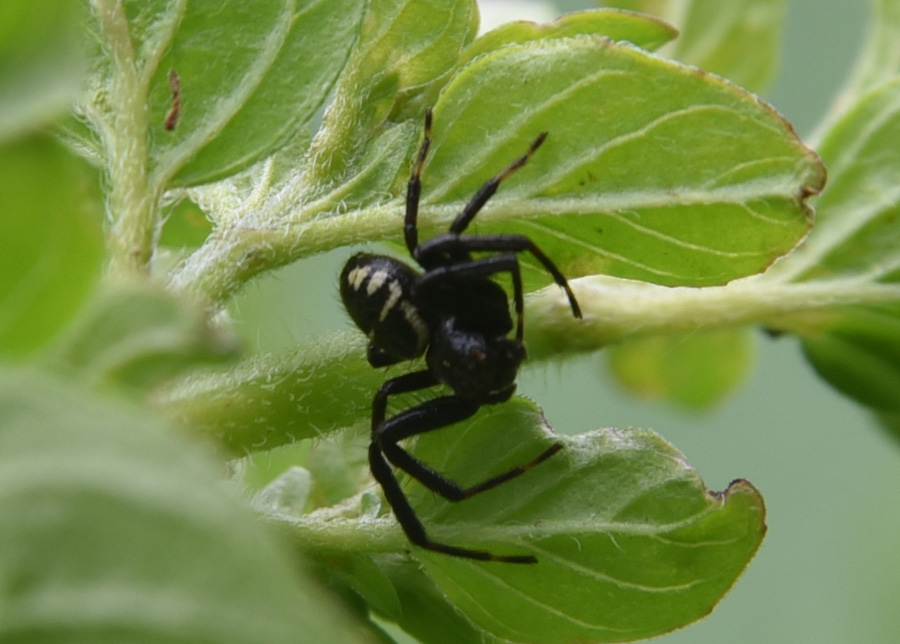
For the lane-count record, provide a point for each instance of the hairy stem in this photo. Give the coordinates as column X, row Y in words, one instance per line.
column 132, row 209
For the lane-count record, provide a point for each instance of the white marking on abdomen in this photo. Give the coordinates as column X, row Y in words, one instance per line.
column 357, row 276
column 411, row 314
column 395, row 293
column 376, row 281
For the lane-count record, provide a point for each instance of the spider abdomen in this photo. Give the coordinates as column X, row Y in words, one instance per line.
column 376, row 291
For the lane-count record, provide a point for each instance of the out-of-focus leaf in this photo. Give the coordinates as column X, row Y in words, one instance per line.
column 275, row 399
column 858, row 351
column 139, row 335
column 695, row 370
column 879, row 61
column 186, row 226
column 51, row 241
column 643, row 31
column 42, row 60
column 113, row 528
column 739, row 40
column 857, row 238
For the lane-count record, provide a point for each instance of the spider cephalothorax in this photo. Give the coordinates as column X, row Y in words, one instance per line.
column 454, row 313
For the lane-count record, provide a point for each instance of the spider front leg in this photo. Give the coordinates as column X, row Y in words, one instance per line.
column 490, row 186
column 475, row 204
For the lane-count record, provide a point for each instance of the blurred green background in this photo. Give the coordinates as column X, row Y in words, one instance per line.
column 829, row 569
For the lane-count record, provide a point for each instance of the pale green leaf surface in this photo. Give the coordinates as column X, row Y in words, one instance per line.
column 51, row 241
column 139, row 335
column 630, row 542
column 651, row 170
column 694, row 370
column 115, row 529
column 739, row 40
column 643, row 31
column 251, row 73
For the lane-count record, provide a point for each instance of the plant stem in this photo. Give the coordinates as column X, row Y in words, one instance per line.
column 617, row 309
column 132, row 209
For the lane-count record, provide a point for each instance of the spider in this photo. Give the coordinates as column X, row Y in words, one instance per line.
column 460, row 319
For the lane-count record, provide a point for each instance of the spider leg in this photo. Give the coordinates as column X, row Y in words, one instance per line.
column 400, row 385
column 483, row 267
column 487, row 190
column 432, row 415
column 450, row 243
column 426, row 417
column 414, row 189
column 410, row 523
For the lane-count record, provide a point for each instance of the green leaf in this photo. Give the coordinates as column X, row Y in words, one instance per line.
column 857, row 241
column 42, row 61
column 643, row 31
column 695, row 370
column 51, row 241
column 114, row 528
column 651, row 170
column 630, row 543
column 250, row 75
column 139, row 335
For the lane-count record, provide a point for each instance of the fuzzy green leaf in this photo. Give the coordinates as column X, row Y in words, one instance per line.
column 51, row 241
column 651, row 170
column 114, row 528
column 629, row 541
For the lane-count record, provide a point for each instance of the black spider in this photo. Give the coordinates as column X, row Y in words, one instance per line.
column 459, row 318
